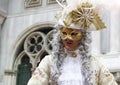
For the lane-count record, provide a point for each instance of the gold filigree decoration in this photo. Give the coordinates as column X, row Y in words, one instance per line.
column 84, row 16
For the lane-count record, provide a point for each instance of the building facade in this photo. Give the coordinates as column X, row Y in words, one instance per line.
column 26, row 28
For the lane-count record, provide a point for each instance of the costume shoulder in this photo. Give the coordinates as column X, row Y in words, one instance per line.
column 41, row 74
column 96, row 62
column 103, row 73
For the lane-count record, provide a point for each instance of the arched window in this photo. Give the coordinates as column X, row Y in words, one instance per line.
column 32, row 50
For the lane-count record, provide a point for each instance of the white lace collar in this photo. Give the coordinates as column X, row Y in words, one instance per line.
column 71, row 71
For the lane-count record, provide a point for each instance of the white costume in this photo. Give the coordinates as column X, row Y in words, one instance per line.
column 101, row 75
column 84, row 69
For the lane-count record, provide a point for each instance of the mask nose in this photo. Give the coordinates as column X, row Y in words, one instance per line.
column 68, row 38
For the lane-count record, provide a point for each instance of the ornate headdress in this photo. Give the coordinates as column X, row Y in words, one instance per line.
column 80, row 14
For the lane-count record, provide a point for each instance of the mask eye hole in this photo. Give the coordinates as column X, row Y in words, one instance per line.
column 74, row 33
column 64, row 33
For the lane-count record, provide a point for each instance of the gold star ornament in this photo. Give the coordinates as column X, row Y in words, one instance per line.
column 84, row 16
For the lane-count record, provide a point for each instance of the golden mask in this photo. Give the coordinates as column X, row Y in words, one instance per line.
column 71, row 34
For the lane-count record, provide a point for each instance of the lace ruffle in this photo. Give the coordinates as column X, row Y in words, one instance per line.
column 71, row 72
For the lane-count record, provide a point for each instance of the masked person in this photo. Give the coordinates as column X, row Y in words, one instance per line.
column 71, row 62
